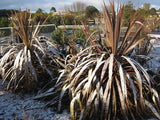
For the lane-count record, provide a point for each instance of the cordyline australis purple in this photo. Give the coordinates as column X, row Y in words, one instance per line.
column 104, row 82
column 22, row 62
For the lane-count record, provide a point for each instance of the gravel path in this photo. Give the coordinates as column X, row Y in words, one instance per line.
column 12, row 106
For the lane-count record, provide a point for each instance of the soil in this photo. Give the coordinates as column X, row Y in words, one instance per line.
column 22, row 106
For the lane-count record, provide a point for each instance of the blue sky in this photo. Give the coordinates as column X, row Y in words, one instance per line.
column 59, row 4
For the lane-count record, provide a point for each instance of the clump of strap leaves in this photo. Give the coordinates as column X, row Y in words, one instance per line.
column 103, row 81
column 31, row 63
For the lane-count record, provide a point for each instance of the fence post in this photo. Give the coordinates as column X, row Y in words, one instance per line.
column 12, row 33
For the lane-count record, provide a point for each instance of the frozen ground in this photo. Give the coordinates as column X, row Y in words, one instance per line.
column 12, row 106
column 155, row 52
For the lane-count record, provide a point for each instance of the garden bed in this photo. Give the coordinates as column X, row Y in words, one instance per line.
column 19, row 106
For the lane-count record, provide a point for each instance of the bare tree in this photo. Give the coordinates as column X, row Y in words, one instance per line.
column 76, row 7
column 79, row 6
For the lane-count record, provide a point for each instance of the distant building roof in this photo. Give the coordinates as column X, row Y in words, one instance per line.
column 62, row 12
column 158, row 13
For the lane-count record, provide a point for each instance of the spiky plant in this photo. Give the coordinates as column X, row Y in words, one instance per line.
column 143, row 51
column 103, row 81
column 28, row 64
